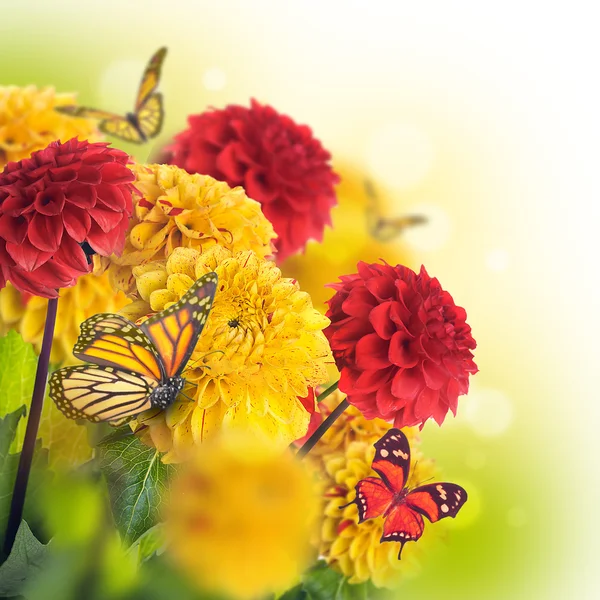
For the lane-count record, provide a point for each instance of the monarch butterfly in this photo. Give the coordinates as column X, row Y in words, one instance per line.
column 134, row 368
column 146, row 120
column 384, row 229
column 402, row 509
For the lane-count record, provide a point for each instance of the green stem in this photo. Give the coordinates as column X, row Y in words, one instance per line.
column 33, row 423
column 327, row 392
column 322, row 428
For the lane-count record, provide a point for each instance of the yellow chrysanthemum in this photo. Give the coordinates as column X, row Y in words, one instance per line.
column 240, row 518
column 28, row 121
column 89, row 296
column 354, row 548
column 351, row 426
column 261, row 349
column 177, row 209
column 344, row 244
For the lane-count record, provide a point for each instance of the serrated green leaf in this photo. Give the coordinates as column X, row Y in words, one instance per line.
column 8, row 430
column 26, row 559
column 296, row 593
column 137, row 480
column 18, row 363
column 323, row 583
column 149, row 543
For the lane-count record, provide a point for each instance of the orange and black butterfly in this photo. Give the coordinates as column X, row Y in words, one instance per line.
column 145, row 121
column 133, row 368
column 403, row 509
column 386, row 229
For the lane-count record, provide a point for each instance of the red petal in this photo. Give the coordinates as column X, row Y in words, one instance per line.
column 379, row 317
column 112, row 196
column 89, row 174
column 81, row 195
column 407, row 383
column 257, row 188
column 27, row 284
column 106, row 218
column 372, row 353
column 13, row 229
column 228, row 163
column 107, row 243
column 402, row 352
column 435, row 376
column 382, row 287
column 46, row 232
column 387, row 403
column 72, row 258
column 426, row 403
column 115, row 172
column 50, row 201
column 26, row 255
column 369, row 381
column 77, row 222
column 359, row 302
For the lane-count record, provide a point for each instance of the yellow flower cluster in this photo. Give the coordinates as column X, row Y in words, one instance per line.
column 240, row 518
column 89, row 296
column 261, row 349
column 176, row 209
column 340, row 460
column 28, row 121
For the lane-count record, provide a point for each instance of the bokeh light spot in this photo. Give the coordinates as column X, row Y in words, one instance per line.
column 214, row 79
column 400, row 155
column 488, row 411
column 433, row 234
column 118, row 85
column 497, row 260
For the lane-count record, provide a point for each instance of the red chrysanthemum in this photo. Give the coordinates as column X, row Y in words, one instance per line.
column 401, row 344
column 53, row 203
column 279, row 163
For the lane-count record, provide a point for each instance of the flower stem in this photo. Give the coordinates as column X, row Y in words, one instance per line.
column 327, row 392
column 322, row 428
column 33, row 423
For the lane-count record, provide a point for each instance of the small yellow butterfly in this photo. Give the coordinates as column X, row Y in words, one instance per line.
column 146, row 120
column 386, row 229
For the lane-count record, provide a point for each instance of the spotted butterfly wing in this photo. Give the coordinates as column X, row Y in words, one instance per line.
column 402, row 510
column 134, row 368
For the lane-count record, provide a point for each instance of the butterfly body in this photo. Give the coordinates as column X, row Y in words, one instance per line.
column 133, row 368
column 145, row 121
column 401, row 507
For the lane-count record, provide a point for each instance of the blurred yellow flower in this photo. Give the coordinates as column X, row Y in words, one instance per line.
column 240, row 517
column 177, row 209
column 261, row 349
column 28, row 121
column 345, row 243
column 27, row 314
column 354, row 548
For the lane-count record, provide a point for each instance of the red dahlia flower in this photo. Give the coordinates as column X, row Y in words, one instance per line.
column 401, row 344
column 279, row 163
column 51, row 204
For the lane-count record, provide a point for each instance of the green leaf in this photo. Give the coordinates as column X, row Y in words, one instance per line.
column 150, row 543
column 136, row 480
column 18, row 364
column 296, row 593
column 323, row 583
column 8, row 430
column 25, row 561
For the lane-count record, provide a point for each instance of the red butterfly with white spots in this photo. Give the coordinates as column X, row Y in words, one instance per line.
column 402, row 509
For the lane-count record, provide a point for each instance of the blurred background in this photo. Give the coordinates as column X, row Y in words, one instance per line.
column 482, row 118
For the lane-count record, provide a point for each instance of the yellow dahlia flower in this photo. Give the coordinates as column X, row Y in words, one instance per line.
column 349, row 427
column 27, row 314
column 28, row 121
column 345, row 243
column 177, row 209
column 354, row 548
column 261, row 349
column 240, row 517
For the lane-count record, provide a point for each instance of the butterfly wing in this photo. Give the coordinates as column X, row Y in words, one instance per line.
column 402, row 524
column 86, row 112
column 372, row 498
column 150, row 116
column 150, row 78
column 437, row 500
column 109, row 340
column 392, row 459
column 99, row 393
column 175, row 331
column 123, row 128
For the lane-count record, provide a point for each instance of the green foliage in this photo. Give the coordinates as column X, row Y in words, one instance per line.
column 27, row 558
column 149, row 543
column 136, row 480
column 9, row 463
column 18, row 363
